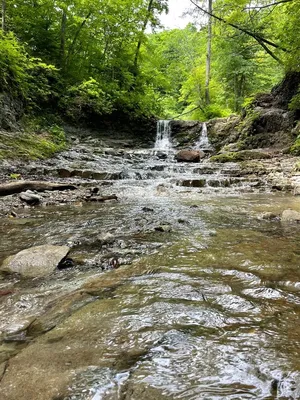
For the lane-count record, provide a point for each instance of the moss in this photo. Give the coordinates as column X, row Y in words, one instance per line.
column 295, row 148
column 29, row 146
column 236, row 156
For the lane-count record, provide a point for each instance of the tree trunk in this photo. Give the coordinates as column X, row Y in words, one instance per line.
column 62, row 51
column 208, row 54
column 140, row 41
column 3, row 15
column 76, row 36
column 7, row 189
column 263, row 42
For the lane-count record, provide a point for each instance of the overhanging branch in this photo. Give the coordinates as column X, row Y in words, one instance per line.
column 260, row 39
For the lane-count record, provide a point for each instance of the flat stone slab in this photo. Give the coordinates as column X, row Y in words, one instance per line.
column 36, row 261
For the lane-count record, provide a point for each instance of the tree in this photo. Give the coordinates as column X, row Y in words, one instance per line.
column 260, row 38
column 208, row 55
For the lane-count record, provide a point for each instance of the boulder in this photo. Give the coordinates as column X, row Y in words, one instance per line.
column 36, row 261
column 189, row 155
column 30, row 198
column 290, row 216
column 196, row 183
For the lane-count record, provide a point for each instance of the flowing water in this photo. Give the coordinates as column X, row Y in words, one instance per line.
column 206, row 309
column 163, row 140
column 203, row 142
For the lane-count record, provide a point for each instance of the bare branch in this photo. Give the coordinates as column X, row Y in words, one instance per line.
column 268, row 5
column 260, row 39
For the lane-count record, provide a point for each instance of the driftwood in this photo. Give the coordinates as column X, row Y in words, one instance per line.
column 20, row 186
column 101, row 199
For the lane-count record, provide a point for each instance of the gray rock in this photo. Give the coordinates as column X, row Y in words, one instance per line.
column 269, row 216
column 296, row 191
column 290, row 216
column 163, row 228
column 106, row 238
column 196, row 183
column 36, row 261
column 64, row 173
column 30, row 198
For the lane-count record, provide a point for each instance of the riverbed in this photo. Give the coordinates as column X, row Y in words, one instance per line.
column 204, row 304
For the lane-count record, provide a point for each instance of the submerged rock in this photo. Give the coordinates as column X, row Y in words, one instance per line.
column 189, row 155
column 36, row 261
column 269, row 216
column 196, row 183
column 163, row 228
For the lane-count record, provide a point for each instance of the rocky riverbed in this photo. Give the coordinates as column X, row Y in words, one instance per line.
column 185, row 285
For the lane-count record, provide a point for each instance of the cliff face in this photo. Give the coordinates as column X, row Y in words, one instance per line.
column 11, row 110
column 265, row 123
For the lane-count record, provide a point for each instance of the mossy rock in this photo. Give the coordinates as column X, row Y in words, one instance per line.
column 236, row 156
column 29, row 146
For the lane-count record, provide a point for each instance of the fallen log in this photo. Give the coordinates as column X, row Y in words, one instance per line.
column 21, row 186
column 101, row 199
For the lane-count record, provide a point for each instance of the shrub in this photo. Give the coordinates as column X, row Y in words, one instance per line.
column 85, row 99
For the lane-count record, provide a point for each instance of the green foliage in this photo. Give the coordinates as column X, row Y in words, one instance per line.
column 15, row 176
column 87, row 58
column 87, row 98
column 295, row 103
column 28, row 146
column 57, row 135
column 13, row 64
column 295, row 149
column 42, row 83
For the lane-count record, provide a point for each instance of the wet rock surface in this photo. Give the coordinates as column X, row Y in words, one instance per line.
column 189, row 155
column 36, row 261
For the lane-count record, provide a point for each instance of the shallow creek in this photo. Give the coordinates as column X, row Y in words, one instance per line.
column 209, row 310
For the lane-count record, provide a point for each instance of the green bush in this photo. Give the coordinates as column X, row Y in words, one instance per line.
column 23, row 76
column 295, row 149
column 57, row 135
column 295, row 103
column 13, row 65
column 87, row 98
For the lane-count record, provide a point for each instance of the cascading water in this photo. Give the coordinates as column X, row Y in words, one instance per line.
column 203, row 142
column 163, row 137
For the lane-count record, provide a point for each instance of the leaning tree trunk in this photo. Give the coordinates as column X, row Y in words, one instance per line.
column 140, row 41
column 62, row 50
column 208, row 54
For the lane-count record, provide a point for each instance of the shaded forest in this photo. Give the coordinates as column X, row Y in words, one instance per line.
column 82, row 59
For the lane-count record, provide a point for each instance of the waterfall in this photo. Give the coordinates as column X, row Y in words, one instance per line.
column 203, row 142
column 163, row 137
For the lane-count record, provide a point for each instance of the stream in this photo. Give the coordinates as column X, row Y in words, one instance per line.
column 205, row 304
